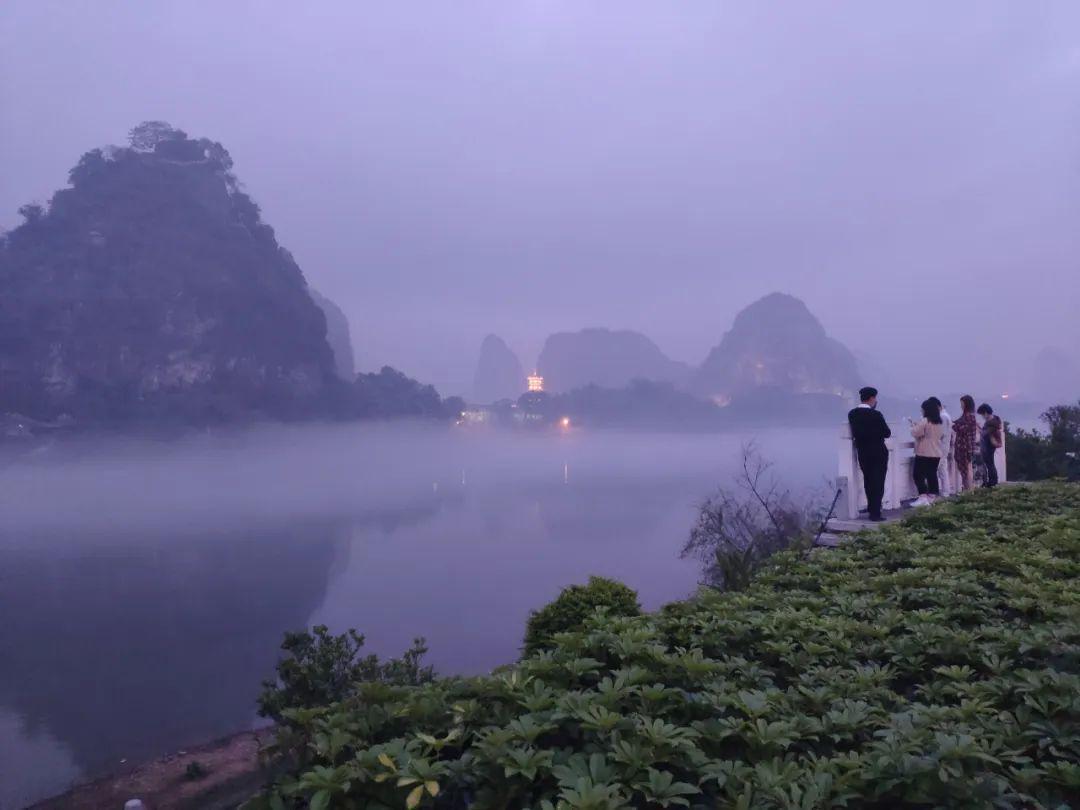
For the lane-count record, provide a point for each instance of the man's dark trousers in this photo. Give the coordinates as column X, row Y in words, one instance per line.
column 987, row 451
column 874, row 466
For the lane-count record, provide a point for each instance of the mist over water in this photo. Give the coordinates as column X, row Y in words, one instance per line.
column 156, row 580
column 698, row 216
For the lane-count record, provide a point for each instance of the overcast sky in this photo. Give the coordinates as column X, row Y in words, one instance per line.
column 447, row 169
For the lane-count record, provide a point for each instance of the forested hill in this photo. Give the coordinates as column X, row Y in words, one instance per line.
column 151, row 290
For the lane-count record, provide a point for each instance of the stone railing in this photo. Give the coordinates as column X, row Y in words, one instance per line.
column 899, row 480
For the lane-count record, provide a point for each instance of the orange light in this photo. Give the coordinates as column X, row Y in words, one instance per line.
column 565, row 421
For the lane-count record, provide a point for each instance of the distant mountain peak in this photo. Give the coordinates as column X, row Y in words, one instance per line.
column 499, row 374
column 610, row 358
column 187, row 307
column 777, row 309
column 776, row 343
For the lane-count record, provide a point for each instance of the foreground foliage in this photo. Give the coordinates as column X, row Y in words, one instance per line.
column 935, row 665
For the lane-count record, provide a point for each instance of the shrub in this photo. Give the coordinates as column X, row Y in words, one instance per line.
column 934, row 664
column 320, row 668
column 1035, row 456
column 571, row 608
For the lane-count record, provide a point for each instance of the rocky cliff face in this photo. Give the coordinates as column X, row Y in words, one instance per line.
column 776, row 344
column 152, row 289
column 498, row 372
column 338, row 335
column 603, row 357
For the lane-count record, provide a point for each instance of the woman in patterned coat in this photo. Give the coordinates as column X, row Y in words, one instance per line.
column 966, row 430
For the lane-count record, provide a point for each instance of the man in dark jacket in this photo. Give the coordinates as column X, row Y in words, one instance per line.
column 869, row 432
column 990, row 439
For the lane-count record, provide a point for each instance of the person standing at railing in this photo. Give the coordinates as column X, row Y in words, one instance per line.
column 966, row 429
column 944, row 479
column 927, row 434
column 990, row 440
column 869, row 431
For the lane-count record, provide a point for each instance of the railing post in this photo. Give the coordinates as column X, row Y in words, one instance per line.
column 849, row 475
column 893, row 476
column 999, row 458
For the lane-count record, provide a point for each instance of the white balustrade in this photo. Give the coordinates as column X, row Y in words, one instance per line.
column 899, row 478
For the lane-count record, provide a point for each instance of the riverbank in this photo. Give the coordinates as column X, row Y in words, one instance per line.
column 218, row 775
column 935, row 663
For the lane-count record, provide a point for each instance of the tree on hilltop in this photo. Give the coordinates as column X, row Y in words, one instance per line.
column 146, row 136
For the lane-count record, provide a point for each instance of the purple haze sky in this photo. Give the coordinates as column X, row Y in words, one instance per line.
column 444, row 170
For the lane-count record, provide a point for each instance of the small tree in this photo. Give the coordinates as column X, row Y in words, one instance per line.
column 320, row 668
column 1064, row 424
column 739, row 527
column 217, row 153
column 32, row 212
column 147, row 135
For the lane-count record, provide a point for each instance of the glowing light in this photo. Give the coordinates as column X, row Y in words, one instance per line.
column 565, row 421
column 1004, row 396
column 535, row 382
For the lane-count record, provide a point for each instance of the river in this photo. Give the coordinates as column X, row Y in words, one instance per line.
column 145, row 586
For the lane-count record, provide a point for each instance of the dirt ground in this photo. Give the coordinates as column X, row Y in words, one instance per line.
column 231, row 774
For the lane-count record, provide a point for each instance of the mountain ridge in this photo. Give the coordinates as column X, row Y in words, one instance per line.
column 609, row 358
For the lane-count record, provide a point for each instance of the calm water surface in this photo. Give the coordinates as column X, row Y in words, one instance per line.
column 144, row 589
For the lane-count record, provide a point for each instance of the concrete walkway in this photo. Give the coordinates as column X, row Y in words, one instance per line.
column 837, row 531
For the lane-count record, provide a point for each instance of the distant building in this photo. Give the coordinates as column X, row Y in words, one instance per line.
column 535, row 381
column 476, row 416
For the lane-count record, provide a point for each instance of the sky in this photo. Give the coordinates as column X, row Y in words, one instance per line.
column 443, row 170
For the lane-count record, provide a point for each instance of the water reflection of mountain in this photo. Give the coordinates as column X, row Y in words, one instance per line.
column 612, row 509
column 130, row 646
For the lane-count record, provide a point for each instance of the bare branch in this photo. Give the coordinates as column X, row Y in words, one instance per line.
column 740, row 526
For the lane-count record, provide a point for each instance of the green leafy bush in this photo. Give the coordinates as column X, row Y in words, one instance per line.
column 1036, row 456
column 571, row 608
column 320, row 668
column 935, row 664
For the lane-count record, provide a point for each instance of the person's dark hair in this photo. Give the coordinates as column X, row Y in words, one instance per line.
column 931, row 411
column 936, row 402
column 985, row 410
column 968, row 402
column 867, row 393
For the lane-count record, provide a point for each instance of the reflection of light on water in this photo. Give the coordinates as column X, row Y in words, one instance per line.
column 566, row 473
